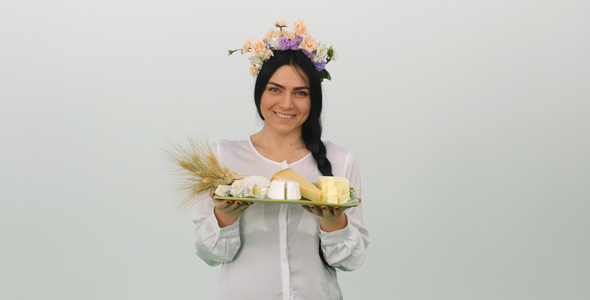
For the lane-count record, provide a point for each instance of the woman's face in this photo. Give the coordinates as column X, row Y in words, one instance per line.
column 285, row 102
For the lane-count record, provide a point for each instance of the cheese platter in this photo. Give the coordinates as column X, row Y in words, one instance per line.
column 289, row 187
column 351, row 203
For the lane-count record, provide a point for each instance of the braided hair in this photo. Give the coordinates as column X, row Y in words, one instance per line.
column 311, row 131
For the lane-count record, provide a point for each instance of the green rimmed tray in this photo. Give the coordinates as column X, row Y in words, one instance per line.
column 351, row 203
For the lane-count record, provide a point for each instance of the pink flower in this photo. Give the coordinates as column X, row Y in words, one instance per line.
column 289, row 34
column 266, row 54
column 269, row 34
column 300, row 28
column 281, row 23
column 257, row 46
column 309, row 44
column 253, row 70
column 246, row 47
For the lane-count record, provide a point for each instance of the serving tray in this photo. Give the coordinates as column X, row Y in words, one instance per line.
column 352, row 202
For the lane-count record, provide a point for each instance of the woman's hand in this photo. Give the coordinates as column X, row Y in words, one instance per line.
column 332, row 218
column 228, row 211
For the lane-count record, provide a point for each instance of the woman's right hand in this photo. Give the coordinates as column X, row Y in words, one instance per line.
column 228, row 211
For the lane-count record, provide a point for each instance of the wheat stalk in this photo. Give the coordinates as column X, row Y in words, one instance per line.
column 198, row 169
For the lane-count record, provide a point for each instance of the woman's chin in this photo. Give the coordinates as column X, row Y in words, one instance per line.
column 284, row 129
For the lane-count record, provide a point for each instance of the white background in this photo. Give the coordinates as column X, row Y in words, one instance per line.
column 469, row 120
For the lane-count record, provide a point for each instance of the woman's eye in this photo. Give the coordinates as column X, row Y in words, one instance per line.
column 273, row 89
column 302, row 93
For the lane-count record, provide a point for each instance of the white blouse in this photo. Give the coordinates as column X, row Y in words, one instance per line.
column 272, row 251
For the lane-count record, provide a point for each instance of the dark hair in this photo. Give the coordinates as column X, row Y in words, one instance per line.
column 311, row 131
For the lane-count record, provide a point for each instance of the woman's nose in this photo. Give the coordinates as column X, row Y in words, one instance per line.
column 286, row 101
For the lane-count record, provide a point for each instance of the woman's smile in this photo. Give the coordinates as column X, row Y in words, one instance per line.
column 285, row 116
column 285, row 102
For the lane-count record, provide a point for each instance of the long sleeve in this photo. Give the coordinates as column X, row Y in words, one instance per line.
column 214, row 245
column 345, row 249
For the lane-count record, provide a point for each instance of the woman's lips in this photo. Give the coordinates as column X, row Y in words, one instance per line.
column 284, row 116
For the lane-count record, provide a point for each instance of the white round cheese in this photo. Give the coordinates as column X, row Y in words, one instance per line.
column 292, row 191
column 260, row 181
column 276, row 190
column 282, row 189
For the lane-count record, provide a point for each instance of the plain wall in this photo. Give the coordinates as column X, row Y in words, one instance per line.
column 469, row 120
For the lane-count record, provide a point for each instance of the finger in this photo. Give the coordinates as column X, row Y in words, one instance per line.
column 337, row 211
column 244, row 207
column 223, row 204
column 240, row 209
column 225, row 208
column 234, row 207
column 315, row 210
column 306, row 207
column 326, row 211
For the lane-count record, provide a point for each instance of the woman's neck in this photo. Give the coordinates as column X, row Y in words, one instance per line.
column 279, row 147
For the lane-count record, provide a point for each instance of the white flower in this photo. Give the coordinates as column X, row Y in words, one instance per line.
column 257, row 60
column 334, row 55
column 273, row 41
column 320, row 54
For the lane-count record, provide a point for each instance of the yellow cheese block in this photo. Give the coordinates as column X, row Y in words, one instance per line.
column 344, row 198
column 341, row 183
column 325, row 181
column 332, row 195
column 308, row 189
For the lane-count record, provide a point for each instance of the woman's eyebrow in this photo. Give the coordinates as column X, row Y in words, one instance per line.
column 296, row 88
column 301, row 88
column 270, row 82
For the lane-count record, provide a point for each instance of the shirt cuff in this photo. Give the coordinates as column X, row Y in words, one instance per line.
column 335, row 237
column 232, row 230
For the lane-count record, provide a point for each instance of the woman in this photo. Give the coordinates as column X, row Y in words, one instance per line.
column 272, row 251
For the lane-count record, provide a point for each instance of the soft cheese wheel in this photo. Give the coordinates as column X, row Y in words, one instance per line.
column 223, row 191
column 260, row 191
column 276, row 191
column 239, row 189
column 292, row 190
column 308, row 189
column 260, row 181
column 281, row 189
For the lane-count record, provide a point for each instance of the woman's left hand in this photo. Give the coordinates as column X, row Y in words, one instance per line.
column 324, row 210
column 331, row 217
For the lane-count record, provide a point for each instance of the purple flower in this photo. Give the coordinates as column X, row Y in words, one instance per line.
column 320, row 65
column 309, row 54
column 296, row 42
column 269, row 46
column 284, row 43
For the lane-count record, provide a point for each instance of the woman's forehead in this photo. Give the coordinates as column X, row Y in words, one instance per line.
column 289, row 76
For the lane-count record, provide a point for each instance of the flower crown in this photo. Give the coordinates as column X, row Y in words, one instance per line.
column 282, row 39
